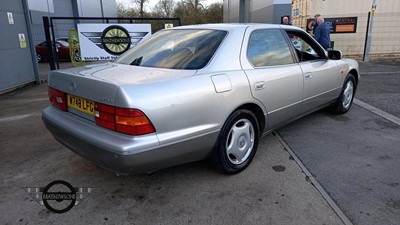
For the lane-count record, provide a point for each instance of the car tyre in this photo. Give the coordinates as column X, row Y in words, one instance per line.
column 39, row 57
column 237, row 142
column 345, row 99
column 77, row 57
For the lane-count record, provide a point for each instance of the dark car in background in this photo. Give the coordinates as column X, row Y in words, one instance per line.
column 62, row 49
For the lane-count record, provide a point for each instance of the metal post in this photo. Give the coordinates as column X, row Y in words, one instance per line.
column 31, row 43
column 369, row 34
column 366, row 35
column 46, row 25
column 54, row 45
column 102, row 9
column 75, row 13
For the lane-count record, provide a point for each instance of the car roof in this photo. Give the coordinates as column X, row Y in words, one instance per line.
column 236, row 26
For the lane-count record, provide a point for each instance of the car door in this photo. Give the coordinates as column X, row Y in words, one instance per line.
column 274, row 76
column 42, row 50
column 63, row 51
column 320, row 75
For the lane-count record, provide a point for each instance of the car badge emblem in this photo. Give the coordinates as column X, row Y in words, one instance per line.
column 72, row 86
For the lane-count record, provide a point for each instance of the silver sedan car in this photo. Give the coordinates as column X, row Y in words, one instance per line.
column 196, row 92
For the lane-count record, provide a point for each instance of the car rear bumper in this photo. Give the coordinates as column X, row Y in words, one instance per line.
column 119, row 153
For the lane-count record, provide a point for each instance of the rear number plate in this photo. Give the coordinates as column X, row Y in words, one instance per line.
column 81, row 104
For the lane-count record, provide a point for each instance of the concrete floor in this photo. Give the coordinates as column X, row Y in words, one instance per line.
column 353, row 156
column 273, row 190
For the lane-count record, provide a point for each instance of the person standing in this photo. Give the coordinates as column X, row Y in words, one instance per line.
column 285, row 20
column 315, row 24
column 322, row 33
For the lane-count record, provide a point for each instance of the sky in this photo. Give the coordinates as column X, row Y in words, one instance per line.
column 153, row 2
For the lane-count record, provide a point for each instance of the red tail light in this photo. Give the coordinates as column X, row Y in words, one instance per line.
column 57, row 98
column 104, row 115
column 127, row 121
column 132, row 121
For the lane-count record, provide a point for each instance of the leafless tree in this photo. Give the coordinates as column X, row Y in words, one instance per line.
column 195, row 5
column 189, row 11
column 164, row 8
column 140, row 4
column 125, row 12
column 214, row 13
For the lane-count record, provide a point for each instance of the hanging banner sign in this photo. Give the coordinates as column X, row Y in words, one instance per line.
column 74, row 49
column 108, row 41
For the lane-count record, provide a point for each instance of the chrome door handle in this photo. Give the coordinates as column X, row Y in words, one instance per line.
column 259, row 85
column 308, row 76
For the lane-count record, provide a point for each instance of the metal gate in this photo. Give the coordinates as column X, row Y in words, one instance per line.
column 57, row 28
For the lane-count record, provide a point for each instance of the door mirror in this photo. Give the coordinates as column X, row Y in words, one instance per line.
column 334, row 54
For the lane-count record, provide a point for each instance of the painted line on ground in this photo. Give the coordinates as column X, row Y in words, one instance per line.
column 377, row 111
column 19, row 117
column 377, row 73
column 33, row 100
column 314, row 182
column 26, row 100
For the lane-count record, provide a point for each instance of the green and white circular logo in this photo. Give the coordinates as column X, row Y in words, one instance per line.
column 116, row 40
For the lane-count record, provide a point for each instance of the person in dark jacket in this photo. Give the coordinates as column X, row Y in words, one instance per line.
column 322, row 33
column 315, row 24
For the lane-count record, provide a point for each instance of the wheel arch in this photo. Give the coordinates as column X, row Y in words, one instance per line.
column 356, row 75
column 258, row 112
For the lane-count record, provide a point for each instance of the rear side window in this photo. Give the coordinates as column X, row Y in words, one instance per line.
column 268, row 48
column 175, row 49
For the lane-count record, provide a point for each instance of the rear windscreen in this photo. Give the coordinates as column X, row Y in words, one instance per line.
column 175, row 49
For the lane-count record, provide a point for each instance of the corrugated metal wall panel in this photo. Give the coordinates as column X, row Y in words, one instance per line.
column 16, row 65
